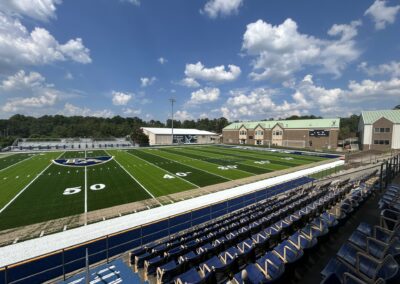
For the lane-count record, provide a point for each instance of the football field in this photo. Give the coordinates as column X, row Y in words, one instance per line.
column 37, row 187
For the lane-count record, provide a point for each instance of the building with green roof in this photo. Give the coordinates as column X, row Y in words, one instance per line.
column 380, row 130
column 301, row 133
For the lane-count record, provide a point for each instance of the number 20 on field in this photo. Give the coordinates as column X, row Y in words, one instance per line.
column 77, row 189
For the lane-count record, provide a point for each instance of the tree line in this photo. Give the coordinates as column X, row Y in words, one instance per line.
column 52, row 126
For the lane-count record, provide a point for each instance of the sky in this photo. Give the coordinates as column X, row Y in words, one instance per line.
column 241, row 59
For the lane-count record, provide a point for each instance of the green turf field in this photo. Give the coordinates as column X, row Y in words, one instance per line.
column 35, row 189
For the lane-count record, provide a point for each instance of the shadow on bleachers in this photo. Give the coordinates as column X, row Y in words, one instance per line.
column 265, row 242
column 372, row 252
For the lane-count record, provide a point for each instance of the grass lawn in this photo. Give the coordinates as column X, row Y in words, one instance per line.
column 132, row 175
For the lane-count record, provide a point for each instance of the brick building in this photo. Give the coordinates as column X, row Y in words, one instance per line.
column 303, row 133
column 380, row 130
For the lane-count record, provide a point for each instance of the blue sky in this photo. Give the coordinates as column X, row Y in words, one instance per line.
column 242, row 59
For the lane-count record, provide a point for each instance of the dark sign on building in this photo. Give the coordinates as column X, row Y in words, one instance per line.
column 319, row 133
column 185, row 139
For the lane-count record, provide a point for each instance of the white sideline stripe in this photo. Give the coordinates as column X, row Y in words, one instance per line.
column 164, row 170
column 22, row 190
column 54, row 242
column 136, row 180
column 18, row 163
column 197, row 169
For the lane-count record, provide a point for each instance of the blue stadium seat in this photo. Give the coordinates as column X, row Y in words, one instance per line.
column 192, row 276
column 330, row 219
column 167, row 272
column 190, row 259
column 261, row 243
column 288, row 253
column 150, row 266
column 217, row 268
column 302, row 242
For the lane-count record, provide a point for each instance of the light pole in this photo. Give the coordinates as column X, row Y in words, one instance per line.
column 172, row 100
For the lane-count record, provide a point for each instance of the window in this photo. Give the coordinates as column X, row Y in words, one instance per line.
column 277, row 133
column 259, row 142
column 259, row 132
column 382, row 129
column 376, row 130
column 381, row 142
column 243, row 132
column 387, row 130
column 251, row 137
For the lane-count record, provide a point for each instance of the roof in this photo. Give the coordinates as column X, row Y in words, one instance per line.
column 369, row 117
column 299, row 123
column 178, row 131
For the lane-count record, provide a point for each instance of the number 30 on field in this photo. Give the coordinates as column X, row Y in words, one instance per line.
column 77, row 189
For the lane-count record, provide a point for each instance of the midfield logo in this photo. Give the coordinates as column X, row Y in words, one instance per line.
column 82, row 162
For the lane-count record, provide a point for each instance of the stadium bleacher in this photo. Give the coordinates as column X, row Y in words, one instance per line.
column 372, row 252
column 262, row 242
column 29, row 144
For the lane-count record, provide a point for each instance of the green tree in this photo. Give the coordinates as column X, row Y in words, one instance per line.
column 138, row 137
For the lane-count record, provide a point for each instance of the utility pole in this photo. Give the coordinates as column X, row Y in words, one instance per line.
column 172, row 100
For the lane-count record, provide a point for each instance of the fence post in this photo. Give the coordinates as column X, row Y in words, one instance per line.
column 381, row 179
column 107, row 249
column 63, row 264
column 87, row 267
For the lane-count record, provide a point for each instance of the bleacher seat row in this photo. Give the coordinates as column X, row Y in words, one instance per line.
column 254, row 245
column 372, row 252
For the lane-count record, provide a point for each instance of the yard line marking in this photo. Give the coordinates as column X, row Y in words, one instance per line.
column 135, row 180
column 216, row 157
column 22, row 190
column 198, row 169
column 30, row 157
column 212, row 163
column 164, row 170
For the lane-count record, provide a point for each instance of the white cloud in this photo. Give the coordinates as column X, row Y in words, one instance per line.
column 147, row 81
column 215, row 8
column 41, row 10
column 280, row 51
column 72, row 110
column 162, row 60
column 182, row 115
column 205, row 95
column 257, row 103
column 120, row 98
column 68, row 76
column 189, row 82
column 382, row 14
column 27, row 91
column 392, row 69
column 131, row 111
column 133, row 2
column 215, row 74
column 305, row 97
column 19, row 47
column 374, row 90
column 23, row 81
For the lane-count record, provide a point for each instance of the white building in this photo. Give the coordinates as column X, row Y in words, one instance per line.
column 163, row 136
column 380, row 130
